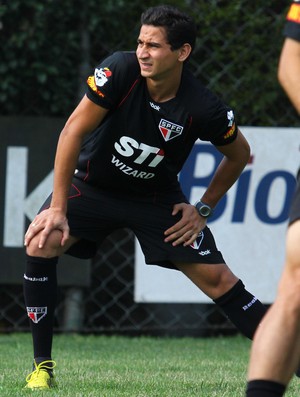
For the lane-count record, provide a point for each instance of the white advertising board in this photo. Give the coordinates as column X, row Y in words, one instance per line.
column 249, row 224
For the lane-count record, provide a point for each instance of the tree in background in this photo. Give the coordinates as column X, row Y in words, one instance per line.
column 48, row 48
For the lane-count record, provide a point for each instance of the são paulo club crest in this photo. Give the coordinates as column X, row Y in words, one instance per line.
column 197, row 243
column 36, row 313
column 169, row 130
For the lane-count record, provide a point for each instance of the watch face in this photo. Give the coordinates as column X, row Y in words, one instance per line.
column 204, row 210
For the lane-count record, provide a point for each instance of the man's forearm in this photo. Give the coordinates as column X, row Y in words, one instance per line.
column 225, row 176
column 65, row 163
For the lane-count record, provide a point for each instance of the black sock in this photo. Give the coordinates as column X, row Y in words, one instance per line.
column 40, row 291
column 264, row 388
column 243, row 309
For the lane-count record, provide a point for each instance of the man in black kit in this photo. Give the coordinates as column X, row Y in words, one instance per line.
column 116, row 166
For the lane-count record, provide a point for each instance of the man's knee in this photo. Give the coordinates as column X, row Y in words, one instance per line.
column 51, row 248
column 213, row 280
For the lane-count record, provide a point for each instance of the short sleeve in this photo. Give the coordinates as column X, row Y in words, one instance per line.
column 223, row 127
column 112, row 79
column 217, row 123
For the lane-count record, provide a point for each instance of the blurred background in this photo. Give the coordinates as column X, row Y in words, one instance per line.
column 48, row 48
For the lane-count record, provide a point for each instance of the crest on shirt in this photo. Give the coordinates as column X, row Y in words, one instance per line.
column 169, row 130
column 230, row 118
column 36, row 313
column 101, row 76
column 197, row 243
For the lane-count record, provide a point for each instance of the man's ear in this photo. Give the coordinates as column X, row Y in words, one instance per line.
column 184, row 52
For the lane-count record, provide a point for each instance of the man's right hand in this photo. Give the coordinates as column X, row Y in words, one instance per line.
column 44, row 223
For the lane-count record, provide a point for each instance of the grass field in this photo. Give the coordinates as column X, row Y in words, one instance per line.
column 118, row 366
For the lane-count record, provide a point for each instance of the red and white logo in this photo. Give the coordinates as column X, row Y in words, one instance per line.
column 169, row 130
column 36, row 313
column 197, row 243
column 101, row 76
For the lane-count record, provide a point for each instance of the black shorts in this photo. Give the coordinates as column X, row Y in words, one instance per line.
column 295, row 205
column 93, row 214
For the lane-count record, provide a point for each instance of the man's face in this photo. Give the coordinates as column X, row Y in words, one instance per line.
column 154, row 53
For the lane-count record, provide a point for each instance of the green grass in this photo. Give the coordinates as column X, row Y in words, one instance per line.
column 116, row 366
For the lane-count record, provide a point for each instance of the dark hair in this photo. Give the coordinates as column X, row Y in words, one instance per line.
column 180, row 27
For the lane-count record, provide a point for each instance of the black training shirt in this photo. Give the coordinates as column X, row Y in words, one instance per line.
column 141, row 145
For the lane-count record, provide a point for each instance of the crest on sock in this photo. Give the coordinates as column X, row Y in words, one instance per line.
column 36, row 313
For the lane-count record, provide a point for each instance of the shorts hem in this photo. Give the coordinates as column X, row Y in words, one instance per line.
column 167, row 263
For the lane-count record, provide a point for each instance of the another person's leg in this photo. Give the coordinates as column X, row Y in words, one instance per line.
column 276, row 347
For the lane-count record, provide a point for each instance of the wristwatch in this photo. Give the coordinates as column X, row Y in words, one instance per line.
column 204, row 209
